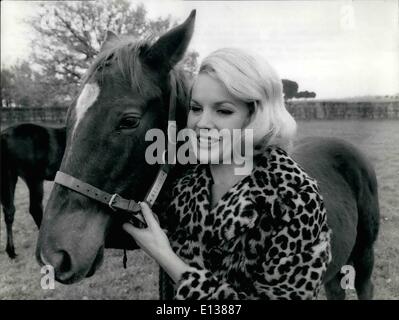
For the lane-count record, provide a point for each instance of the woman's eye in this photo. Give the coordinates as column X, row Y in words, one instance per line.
column 129, row 123
column 195, row 108
column 225, row 112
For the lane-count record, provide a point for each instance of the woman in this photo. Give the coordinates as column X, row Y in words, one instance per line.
column 261, row 235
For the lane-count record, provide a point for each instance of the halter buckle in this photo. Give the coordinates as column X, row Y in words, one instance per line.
column 112, row 201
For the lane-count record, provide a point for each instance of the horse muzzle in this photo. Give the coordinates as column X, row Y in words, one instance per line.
column 67, row 268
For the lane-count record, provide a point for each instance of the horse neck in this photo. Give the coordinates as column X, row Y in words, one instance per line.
column 179, row 88
column 181, row 101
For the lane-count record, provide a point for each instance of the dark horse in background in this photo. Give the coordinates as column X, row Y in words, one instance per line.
column 126, row 92
column 34, row 153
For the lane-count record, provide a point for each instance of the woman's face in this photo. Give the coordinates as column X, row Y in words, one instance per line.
column 212, row 109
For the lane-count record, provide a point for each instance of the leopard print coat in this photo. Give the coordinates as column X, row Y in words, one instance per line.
column 266, row 238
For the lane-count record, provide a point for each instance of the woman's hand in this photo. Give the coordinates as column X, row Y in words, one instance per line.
column 152, row 239
column 154, row 242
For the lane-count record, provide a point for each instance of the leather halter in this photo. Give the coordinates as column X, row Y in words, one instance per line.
column 115, row 201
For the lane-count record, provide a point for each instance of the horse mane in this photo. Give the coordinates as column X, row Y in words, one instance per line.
column 126, row 53
column 183, row 95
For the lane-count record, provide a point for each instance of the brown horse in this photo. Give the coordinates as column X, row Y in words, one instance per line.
column 34, row 153
column 127, row 92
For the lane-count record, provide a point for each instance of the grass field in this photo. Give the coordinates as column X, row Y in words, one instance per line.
column 20, row 279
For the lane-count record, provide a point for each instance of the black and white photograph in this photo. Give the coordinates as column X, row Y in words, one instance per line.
column 199, row 150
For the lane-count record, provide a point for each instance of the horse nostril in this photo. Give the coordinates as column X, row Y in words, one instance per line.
column 65, row 262
column 60, row 260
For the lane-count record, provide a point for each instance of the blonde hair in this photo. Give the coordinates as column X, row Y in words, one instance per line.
column 249, row 78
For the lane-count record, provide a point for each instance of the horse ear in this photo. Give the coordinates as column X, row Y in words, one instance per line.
column 109, row 39
column 169, row 49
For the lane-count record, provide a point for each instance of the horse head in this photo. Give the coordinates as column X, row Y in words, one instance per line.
column 124, row 93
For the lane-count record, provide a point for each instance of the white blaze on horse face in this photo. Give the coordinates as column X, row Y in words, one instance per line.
column 86, row 99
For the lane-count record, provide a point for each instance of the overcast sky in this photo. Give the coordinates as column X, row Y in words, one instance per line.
column 335, row 48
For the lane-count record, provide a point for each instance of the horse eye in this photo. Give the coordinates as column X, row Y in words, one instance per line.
column 129, row 123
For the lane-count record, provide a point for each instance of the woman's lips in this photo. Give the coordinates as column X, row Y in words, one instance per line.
column 207, row 141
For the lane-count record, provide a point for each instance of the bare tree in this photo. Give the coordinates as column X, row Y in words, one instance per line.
column 69, row 35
